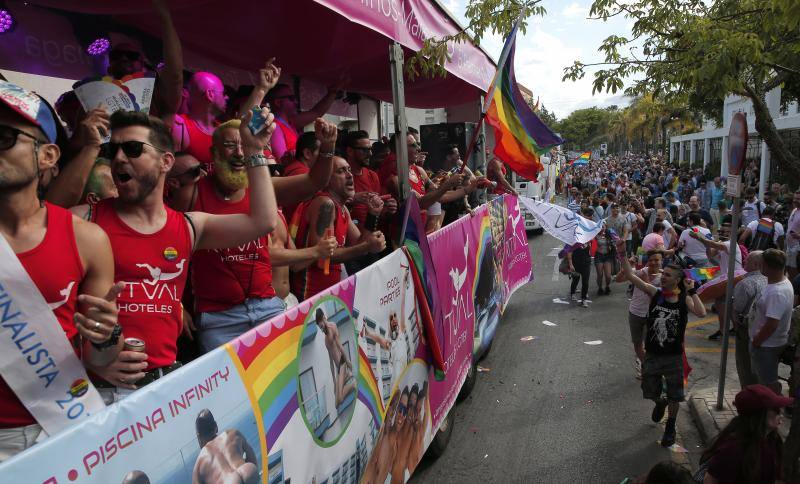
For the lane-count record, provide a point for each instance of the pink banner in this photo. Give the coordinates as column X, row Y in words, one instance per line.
column 410, row 22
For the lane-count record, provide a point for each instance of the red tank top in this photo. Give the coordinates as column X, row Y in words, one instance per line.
column 415, row 180
column 55, row 267
column 199, row 142
column 153, row 268
column 313, row 280
column 499, row 190
column 289, row 134
column 223, row 278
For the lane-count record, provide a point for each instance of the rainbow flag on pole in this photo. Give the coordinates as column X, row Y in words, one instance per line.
column 701, row 274
column 520, row 136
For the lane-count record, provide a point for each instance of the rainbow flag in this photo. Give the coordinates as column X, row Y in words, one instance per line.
column 701, row 274
column 765, row 226
column 581, row 160
column 520, row 136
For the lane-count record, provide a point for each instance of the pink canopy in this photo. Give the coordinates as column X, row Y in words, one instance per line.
column 319, row 40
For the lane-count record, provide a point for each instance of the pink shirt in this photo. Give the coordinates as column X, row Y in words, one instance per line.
column 652, row 241
column 640, row 301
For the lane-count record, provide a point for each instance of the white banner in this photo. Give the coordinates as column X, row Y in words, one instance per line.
column 36, row 359
column 561, row 222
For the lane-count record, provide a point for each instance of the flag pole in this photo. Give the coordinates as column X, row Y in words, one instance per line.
column 490, row 93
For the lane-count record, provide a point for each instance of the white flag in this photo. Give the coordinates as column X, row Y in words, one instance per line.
column 561, row 222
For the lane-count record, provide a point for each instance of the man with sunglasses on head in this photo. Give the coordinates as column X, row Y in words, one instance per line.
column 154, row 244
column 68, row 259
column 285, row 105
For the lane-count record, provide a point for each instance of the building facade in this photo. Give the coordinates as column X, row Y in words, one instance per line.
column 710, row 146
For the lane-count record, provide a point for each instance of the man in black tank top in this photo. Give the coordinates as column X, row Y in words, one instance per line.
column 666, row 325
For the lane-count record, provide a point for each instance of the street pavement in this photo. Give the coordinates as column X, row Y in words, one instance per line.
column 557, row 410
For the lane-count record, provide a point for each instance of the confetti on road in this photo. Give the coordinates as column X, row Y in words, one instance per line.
column 474, row 430
column 558, row 300
column 485, row 456
column 527, row 338
column 675, row 448
column 549, row 323
column 483, row 370
column 561, row 396
column 593, row 343
column 589, row 402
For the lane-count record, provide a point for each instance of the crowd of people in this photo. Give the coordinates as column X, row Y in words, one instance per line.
column 186, row 226
column 667, row 221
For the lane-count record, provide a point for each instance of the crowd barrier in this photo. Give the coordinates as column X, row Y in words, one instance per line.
column 336, row 390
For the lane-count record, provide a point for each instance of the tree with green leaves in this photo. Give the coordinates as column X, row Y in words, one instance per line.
column 701, row 51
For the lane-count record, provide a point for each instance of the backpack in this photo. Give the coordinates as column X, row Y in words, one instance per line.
column 763, row 238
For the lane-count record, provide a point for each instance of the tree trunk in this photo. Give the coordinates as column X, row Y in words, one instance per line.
column 765, row 126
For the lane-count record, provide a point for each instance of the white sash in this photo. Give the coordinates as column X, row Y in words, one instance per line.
column 36, row 360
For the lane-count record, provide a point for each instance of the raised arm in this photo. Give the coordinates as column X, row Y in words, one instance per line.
column 221, row 231
column 267, row 78
column 67, row 188
column 628, row 271
column 171, row 76
column 307, row 117
column 294, row 189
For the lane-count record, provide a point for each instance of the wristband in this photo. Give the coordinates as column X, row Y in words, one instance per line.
column 254, row 161
column 111, row 341
column 371, row 223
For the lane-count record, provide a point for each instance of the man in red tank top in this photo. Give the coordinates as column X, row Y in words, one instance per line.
column 327, row 214
column 305, row 156
column 40, row 234
column 192, row 131
column 290, row 120
column 153, row 244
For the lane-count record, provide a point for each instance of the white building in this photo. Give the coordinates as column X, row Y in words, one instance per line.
column 711, row 144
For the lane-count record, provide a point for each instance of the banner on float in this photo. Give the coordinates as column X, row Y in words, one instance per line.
column 36, row 359
column 336, row 389
column 562, row 223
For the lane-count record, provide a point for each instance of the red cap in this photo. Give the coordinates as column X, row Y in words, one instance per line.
column 758, row 397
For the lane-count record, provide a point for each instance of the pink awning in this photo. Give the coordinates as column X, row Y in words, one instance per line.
column 316, row 39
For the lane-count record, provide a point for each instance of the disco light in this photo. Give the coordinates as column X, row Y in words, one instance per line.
column 6, row 21
column 98, row 46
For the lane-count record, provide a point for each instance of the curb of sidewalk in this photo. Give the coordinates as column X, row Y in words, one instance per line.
column 706, row 425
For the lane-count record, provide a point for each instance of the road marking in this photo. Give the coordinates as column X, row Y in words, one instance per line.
column 731, row 349
column 702, row 322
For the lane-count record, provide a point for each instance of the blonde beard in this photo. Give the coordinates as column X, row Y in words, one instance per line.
column 232, row 180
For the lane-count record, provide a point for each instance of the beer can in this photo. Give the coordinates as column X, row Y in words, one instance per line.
column 134, row 344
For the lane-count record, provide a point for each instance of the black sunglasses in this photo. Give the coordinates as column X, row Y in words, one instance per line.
column 132, row 149
column 8, row 136
column 117, row 55
column 275, row 170
column 192, row 172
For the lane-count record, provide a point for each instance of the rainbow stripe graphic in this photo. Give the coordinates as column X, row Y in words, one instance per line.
column 765, row 226
column 267, row 361
column 581, row 160
column 701, row 274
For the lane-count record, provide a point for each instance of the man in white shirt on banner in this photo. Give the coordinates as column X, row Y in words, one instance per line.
column 39, row 234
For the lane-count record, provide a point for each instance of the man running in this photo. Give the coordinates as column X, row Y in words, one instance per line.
column 341, row 367
column 667, row 317
column 225, row 458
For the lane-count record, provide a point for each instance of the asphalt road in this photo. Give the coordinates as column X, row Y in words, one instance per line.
column 556, row 410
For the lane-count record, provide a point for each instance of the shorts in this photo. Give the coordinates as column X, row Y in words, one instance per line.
column 638, row 325
column 764, row 363
column 791, row 256
column 603, row 258
column 660, row 369
column 217, row 328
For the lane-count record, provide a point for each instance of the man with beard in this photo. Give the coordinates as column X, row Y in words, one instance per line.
column 418, row 419
column 327, row 215
column 68, row 260
column 153, row 244
column 383, row 453
column 404, row 432
column 233, row 287
column 224, row 457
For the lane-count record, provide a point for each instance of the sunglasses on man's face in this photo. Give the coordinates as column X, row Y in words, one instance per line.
column 363, row 149
column 8, row 136
column 132, row 149
column 118, row 55
column 192, row 172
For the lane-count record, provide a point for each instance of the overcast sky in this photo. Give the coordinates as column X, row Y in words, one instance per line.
column 552, row 43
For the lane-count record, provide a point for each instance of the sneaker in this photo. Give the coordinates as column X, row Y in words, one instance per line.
column 608, row 290
column 716, row 336
column 658, row 410
column 637, row 366
column 584, row 303
column 600, row 291
column 669, row 436
column 574, row 297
